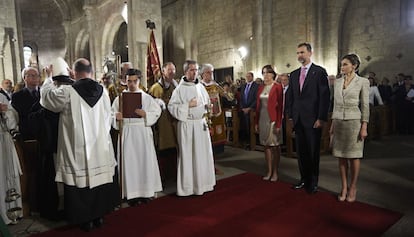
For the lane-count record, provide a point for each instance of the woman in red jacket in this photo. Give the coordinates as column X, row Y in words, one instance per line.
column 269, row 106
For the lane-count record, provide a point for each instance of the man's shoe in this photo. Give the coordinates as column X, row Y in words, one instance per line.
column 312, row 190
column 88, row 226
column 298, row 185
column 98, row 222
column 133, row 202
column 144, row 200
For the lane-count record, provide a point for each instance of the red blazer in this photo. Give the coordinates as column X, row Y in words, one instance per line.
column 274, row 105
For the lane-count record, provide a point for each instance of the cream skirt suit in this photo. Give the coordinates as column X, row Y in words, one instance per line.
column 351, row 108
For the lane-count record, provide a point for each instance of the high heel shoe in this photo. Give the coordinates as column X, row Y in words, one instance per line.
column 267, row 177
column 274, row 178
column 342, row 196
column 352, row 196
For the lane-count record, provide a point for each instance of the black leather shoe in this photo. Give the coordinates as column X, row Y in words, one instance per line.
column 134, row 202
column 98, row 222
column 298, row 185
column 144, row 200
column 88, row 226
column 312, row 190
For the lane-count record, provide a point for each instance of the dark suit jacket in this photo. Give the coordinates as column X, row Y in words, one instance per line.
column 251, row 98
column 29, row 110
column 313, row 102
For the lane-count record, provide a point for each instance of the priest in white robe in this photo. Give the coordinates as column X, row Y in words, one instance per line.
column 140, row 172
column 10, row 169
column 85, row 157
column 189, row 104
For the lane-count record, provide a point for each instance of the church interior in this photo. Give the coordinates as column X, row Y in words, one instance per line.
column 236, row 37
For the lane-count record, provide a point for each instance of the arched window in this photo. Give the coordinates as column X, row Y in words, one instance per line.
column 120, row 44
column 407, row 13
column 410, row 13
column 27, row 54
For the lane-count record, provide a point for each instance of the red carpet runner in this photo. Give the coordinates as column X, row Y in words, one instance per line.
column 244, row 205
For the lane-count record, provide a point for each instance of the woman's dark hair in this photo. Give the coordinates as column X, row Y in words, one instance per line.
column 269, row 69
column 354, row 59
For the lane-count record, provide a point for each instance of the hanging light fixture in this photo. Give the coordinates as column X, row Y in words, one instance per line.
column 243, row 52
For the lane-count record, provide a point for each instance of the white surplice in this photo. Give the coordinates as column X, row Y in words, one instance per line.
column 85, row 155
column 141, row 175
column 10, row 169
column 195, row 174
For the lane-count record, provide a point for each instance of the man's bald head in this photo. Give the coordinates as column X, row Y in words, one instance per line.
column 82, row 68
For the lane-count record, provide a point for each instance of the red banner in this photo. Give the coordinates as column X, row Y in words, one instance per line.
column 153, row 61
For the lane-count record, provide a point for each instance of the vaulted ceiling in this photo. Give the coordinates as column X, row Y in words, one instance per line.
column 66, row 9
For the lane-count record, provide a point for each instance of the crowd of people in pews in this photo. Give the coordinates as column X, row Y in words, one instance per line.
column 80, row 134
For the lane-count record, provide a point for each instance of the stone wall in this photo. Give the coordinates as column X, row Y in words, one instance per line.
column 43, row 31
column 377, row 31
column 10, row 42
column 381, row 30
column 209, row 31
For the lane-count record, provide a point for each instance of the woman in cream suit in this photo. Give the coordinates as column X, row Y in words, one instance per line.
column 349, row 123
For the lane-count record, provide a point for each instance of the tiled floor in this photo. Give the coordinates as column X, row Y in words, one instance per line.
column 386, row 180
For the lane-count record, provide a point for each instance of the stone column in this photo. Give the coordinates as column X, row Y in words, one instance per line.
column 90, row 20
column 94, row 39
column 261, row 51
column 257, row 45
column 190, row 39
column 2, row 73
column 315, row 32
column 69, row 55
column 11, row 44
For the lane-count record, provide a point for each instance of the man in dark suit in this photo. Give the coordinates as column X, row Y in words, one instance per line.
column 307, row 107
column 26, row 103
column 248, row 95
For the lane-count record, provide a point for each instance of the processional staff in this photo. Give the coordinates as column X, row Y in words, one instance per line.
column 120, row 125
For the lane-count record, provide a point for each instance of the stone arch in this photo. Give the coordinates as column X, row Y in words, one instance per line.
column 108, row 34
column 82, row 44
column 34, row 59
column 168, row 41
column 63, row 9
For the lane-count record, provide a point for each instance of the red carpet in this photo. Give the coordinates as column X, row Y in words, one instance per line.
column 244, row 205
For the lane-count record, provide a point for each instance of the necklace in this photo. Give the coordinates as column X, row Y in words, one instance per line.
column 348, row 80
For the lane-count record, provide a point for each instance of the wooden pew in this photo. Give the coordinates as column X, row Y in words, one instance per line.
column 27, row 152
column 325, row 139
column 290, row 138
column 233, row 128
column 372, row 124
column 384, row 120
column 252, row 130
